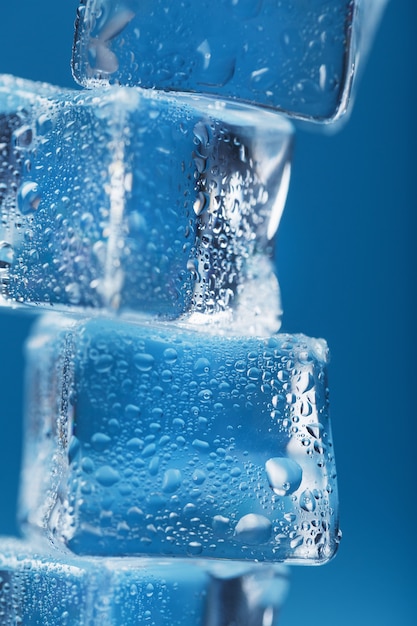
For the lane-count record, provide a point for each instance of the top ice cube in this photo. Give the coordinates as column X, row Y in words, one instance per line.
column 296, row 56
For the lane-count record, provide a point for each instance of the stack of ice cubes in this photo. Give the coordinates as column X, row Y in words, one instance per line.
column 178, row 449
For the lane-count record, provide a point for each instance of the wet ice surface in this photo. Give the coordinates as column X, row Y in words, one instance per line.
column 42, row 586
column 122, row 199
column 158, row 440
column 296, row 56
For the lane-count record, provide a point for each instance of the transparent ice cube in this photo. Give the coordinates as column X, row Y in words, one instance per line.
column 156, row 440
column 297, row 56
column 40, row 585
column 138, row 201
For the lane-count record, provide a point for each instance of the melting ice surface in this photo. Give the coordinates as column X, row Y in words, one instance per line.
column 40, row 585
column 158, row 440
column 123, row 199
column 296, row 56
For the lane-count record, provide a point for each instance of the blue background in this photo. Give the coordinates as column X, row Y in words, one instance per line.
column 346, row 258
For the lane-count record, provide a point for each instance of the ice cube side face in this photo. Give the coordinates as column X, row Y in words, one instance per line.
column 37, row 588
column 40, row 585
column 131, row 200
column 295, row 56
column 159, row 441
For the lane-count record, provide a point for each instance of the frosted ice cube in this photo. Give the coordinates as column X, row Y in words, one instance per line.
column 299, row 57
column 135, row 200
column 41, row 585
column 162, row 441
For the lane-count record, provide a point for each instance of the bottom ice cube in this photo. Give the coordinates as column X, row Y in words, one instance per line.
column 42, row 586
column 164, row 441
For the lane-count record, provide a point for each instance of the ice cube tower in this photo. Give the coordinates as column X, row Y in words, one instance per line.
column 188, row 427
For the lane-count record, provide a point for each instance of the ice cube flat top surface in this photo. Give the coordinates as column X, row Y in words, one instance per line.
column 156, row 440
column 40, row 585
column 294, row 55
column 130, row 199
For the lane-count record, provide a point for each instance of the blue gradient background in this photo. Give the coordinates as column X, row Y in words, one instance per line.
column 346, row 259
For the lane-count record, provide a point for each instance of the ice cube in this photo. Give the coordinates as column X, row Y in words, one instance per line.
column 134, row 200
column 41, row 585
column 296, row 56
column 157, row 440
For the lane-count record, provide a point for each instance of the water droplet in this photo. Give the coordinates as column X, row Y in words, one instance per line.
column 284, row 475
column 149, row 590
column 171, row 481
column 149, row 450
column 100, row 441
column 202, row 366
column 107, row 476
column 103, row 363
column 199, row 477
column 73, row 293
column 315, row 430
column 132, row 411
column 201, row 445
column 202, row 202
column 194, row 548
column 220, row 525
column 201, row 133
column 144, row 362
column 170, row 355
column 307, row 501
column 205, row 395
column 23, row 136
column 6, row 255
column 28, row 197
column 254, row 373
column 253, row 529
column 43, row 124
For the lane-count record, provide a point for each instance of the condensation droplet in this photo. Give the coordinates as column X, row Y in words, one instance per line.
column 144, row 362
column 171, row 481
column 284, row 475
column 253, row 529
column 28, row 197
column 307, row 501
column 107, row 476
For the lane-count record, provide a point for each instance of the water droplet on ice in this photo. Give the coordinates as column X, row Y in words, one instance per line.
column 73, row 293
column 201, row 366
column 253, row 529
column 284, row 475
column 28, row 197
column 6, row 255
column 170, row 355
column 220, row 525
column 201, row 203
column 104, row 363
column 194, row 548
column 107, row 476
column 307, row 501
column 171, row 481
column 143, row 362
